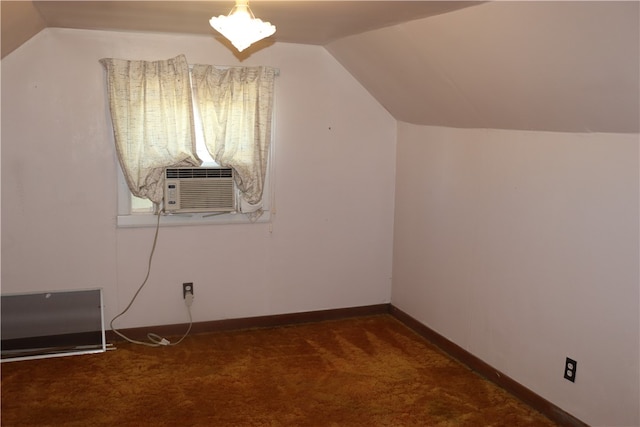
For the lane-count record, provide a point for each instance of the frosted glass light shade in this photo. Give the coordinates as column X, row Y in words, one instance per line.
column 241, row 27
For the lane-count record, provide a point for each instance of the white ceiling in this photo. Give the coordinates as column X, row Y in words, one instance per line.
column 551, row 66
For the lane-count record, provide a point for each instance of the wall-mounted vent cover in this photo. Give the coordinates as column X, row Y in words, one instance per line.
column 48, row 324
column 192, row 190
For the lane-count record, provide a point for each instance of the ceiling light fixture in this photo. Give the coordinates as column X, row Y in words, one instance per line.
column 241, row 27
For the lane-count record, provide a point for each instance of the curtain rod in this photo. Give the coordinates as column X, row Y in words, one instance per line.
column 224, row 67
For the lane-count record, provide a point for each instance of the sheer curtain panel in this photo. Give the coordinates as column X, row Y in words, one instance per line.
column 152, row 117
column 236, row 108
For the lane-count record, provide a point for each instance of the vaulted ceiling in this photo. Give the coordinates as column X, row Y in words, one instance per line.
column 569, row 66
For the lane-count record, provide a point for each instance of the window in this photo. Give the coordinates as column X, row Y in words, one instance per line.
column 137, row 212
column 152, row 106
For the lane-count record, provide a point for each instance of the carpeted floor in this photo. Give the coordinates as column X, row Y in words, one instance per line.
column 370, row 371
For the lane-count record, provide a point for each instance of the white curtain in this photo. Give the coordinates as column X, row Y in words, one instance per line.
column 152, row 116
column 236, row 107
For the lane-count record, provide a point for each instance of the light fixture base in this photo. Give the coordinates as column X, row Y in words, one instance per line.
column 241, row 27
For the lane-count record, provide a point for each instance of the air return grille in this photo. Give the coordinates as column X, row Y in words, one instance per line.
column 199, row 190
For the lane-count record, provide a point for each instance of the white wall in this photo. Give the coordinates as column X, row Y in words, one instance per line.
column 522, row 248
column 331, row 239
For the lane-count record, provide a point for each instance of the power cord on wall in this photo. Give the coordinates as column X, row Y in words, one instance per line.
column 154, row 340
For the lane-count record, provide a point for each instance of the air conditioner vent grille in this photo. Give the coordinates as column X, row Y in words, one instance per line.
column 206, row 194
column 185, row 173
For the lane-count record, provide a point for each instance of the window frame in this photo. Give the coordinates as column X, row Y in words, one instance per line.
column 126, row 218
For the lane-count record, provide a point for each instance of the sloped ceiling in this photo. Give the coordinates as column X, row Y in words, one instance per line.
column 569, row 66
column 555, row 66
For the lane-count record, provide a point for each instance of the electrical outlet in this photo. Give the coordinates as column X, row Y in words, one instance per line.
column 187, row 288
column 570, row 367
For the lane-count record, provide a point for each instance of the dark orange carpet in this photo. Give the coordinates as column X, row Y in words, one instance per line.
column 370, row 371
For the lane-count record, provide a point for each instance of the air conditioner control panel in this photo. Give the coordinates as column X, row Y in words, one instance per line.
column 171, row 196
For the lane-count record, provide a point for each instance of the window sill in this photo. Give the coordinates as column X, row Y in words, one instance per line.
column 150, row 220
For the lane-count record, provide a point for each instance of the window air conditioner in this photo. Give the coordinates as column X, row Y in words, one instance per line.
column 190, row 190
